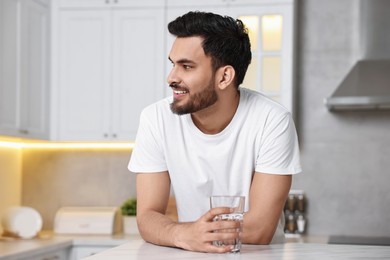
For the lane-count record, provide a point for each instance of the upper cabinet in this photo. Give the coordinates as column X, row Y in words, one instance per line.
column 108, row 3
column 86, row 75
column 24, row 63
column 271, row 31
column 110, row 66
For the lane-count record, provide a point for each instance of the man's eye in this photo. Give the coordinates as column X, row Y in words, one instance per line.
column 187, row 67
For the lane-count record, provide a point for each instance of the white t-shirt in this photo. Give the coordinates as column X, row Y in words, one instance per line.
column 261, row 137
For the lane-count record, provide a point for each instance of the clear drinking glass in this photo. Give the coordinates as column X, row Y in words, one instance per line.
column 237, row 204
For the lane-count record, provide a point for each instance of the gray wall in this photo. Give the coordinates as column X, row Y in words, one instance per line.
column 345, row 156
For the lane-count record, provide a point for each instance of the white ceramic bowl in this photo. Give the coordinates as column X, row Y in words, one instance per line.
column 23, row 222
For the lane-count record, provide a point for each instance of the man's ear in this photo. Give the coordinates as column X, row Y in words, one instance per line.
column 225, row 76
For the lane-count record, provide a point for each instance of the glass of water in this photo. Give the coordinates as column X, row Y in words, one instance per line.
column 237, row 204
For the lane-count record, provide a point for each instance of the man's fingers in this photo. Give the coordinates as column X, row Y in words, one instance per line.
column 221, row 236
column 212, row 213
column 227, row 226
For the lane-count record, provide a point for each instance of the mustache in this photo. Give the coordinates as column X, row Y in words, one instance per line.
column 177, row 87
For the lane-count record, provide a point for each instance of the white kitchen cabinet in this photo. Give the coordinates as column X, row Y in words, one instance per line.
column 110, row 60
column 24, row 79
column 108, row 3
column 59, row 254
column 86, row 79
column 271, row 29
column 80, row 252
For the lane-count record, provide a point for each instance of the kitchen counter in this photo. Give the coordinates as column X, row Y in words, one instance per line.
column 11, row 248
column 138, row 249
column 22, row 248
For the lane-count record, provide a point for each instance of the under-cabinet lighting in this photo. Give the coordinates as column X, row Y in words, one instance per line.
column 78, row 145
column 21, row 144
column 6, row 144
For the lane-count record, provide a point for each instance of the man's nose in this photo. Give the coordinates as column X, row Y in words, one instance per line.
column 173, row 77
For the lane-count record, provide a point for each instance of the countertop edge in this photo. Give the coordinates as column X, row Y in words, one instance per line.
column 47, row 241
column 38, row 248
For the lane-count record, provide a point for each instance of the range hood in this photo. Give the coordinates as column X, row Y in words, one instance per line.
column 367, row 85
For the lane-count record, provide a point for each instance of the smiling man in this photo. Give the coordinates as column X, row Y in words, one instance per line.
column 212, row 137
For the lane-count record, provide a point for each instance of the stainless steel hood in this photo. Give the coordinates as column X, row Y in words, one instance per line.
column 367, row 85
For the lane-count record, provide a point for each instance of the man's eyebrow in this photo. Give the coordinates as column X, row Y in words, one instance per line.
column 181, row 61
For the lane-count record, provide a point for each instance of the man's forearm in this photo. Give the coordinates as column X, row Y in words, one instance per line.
column 157, row 228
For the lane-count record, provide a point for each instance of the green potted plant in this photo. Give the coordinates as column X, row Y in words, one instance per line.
column 129, row 213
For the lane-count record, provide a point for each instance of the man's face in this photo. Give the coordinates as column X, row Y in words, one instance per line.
column 192, row 78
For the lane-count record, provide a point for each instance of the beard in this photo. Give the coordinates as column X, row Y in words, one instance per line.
column 197, row 101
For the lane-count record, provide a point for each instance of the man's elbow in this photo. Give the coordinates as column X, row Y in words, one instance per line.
column 141, row 229
column 262, row 241
column 258, row 238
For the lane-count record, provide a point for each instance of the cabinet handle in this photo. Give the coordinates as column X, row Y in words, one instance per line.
column 107, row 1
column 105, row 135
column 116, row 1
column 114, row 135
column 23, row 131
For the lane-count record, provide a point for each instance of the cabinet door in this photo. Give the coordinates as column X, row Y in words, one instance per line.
column 271, row 33
column 138, row 67
column 109, row 3
column 9, row 86
column 60, row 254
column 34, row 78
column 80, row 252
column 24, row 89
column 84, row 74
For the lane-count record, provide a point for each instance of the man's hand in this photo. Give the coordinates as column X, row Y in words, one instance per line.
column 199, row 235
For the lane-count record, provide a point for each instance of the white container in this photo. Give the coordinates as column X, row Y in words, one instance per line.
column 23, row 222
column 88, row 220
column 130, row 225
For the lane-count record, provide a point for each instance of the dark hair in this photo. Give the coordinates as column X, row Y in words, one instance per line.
column 225, row 39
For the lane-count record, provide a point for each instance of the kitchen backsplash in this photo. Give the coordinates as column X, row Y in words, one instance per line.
column 55, row 178
column 10, row 179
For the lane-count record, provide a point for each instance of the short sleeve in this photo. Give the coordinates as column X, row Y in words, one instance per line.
column 278, row 151
column 147, row 155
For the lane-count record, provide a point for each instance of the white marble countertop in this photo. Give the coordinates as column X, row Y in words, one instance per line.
column 11, row 248
column 20, row 248
column 138, row 249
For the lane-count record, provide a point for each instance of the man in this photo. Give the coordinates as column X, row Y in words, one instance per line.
column 212, row 138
